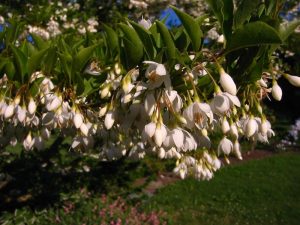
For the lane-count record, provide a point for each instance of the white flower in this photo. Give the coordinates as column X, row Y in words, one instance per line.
column 294, row 80
column 155, row 132
column 109, row 119
column 198, row 114
column 160, row 134
column 157, row 75
column 149, row 103
column 31, row 106
column 181, row 170
column 9, row 111
column 175, row 100
column 145, row 23
column 84, row 129
column 227, row 82
column 161, row 153
column 225, row 146
column 77, row 120
column 28, row 142
column 21, row 113
column 39, row 143
column 234, row 131
column 174, row 138
column 276, row 91
column 225, row 125
column 251, row 127
column 220, row 104
column 237, row 150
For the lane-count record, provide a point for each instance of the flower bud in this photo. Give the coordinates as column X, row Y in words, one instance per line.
column 225, row 125
column 276, row 91
column 227, row 82
column 294, row 80
column 31, row 106
column 9, row 111
column 225, row 146
column 84, row 129
column 251, row 127
column 109, row 119
column 77, row 120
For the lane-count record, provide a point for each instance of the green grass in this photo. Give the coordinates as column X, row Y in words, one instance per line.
column 257, row 192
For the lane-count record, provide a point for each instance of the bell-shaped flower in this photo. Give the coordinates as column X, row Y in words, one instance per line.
column 77, row 120
column 181, row 170
column 276, row 91
column 237, row 150
column 28, row 142
column 110, row 118
column 174, row 138
column 198, row 114
column 251, row 127
column 21, row 113
column 225, row 146
column 189, row 142
column 31, row 106
column 155, row 132
column 220, row 104
column 150, row 103
column 234, row 131
column 53, row 102
column 227, row 82
column 84, row 129
column 225, row 125
column 39, row 143
column 294, row 80
column 145, row 23
column 9, row 111
column 156, row 74
column 172, row 99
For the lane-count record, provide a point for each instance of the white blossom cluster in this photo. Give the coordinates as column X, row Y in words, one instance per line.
column 60, row 21
column 141, row 113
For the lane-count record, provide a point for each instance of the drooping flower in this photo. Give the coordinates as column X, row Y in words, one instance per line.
column 227, row 82
column 251, row 127
column 276, row 91
column 31, row 106
column 109, row 119
column 198, row 114
column 294, row 80
column 156, row 74
column 225, row 146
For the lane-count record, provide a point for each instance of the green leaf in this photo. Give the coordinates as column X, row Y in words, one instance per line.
column 82, row 57
column 20, row 61
column 39, row 42
column 286, row 29
column 35, row 86
column 133, row 46
column 167, row 39
column 244, row 10
column 50, row 59
column 34, row 62
column 145, row 36
column 112, row 38
column 223, row 10
column 191, row 26
column 253, row 34
column 10, row 70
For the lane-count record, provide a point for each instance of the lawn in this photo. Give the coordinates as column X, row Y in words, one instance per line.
column 265, row 191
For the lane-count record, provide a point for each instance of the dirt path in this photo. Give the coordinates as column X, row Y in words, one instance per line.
column 166, row 178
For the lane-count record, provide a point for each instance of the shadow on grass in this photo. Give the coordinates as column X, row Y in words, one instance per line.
column 39, row 179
